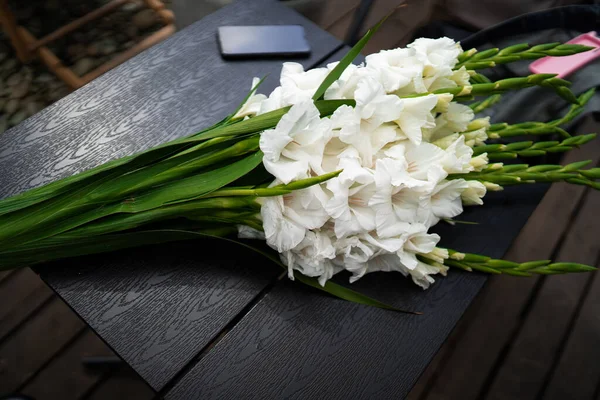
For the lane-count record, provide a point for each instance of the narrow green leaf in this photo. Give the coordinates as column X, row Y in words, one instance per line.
column 248, row 95
column 335, row 73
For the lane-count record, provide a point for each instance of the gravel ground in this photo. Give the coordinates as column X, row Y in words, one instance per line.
column 27, row 89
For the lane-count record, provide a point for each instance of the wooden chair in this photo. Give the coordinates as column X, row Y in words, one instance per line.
column 27, row 46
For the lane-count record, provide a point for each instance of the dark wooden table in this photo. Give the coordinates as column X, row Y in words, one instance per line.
column 206, row 320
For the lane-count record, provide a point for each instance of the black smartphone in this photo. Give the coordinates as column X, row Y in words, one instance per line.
column 263, row 41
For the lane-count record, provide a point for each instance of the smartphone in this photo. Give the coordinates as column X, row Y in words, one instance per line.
column 262, row 41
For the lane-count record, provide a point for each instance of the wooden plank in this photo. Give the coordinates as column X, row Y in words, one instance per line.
column 23, row 353
column 155, row 308
column 4, row 275
column 333, row 12
column 20, row 295
column 491, row 322
column 522, row 375
column 578, row 371
column 297, row 343
column 404, row 18
column 122, row 388
column 66, row 377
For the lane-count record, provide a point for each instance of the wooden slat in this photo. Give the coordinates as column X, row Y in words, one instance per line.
column 28, row 349
column 491, row 322
column 65, row 377
column 404, row 17
column 577, row 374
column 343, row 350
column 156, row 307
column 333, row 12
column 5, row 274
column 522, row 374
column 122, row 388
column 20, row 295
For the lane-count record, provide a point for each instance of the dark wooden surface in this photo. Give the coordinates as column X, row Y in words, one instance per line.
column 294, row 342
column 370, row 353
column 155, row 308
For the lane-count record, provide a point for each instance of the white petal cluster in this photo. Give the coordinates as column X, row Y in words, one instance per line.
column 396, row 148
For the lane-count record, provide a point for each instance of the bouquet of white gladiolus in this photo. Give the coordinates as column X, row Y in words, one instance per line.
column 340, row 168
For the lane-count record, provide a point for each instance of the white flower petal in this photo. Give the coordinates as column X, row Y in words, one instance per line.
column 281, row 233
column 473, row 194
column 416, row 116
column 246, row 232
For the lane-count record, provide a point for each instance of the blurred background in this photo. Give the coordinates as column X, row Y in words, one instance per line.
column 39, row 67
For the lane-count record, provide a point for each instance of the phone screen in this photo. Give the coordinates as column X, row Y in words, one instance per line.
column 263, row 41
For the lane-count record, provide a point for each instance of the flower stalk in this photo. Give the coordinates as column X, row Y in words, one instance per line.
column 531, row 149
column 475, row 262
column 524, row 174
column 473, row 59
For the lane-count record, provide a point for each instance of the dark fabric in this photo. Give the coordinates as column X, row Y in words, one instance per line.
column 555, row 25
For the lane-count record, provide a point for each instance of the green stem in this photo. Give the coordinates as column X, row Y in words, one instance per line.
column 531, row 149
column 472, row 59
column 479, row 106
column 469, row 262
column 524, row 174
column 503, row 85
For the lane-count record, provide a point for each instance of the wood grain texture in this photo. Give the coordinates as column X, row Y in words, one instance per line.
column 42, row 336
column 491, row 322
column 155, row 308
column 66, row 376
column 4, row 275
column 533, row 351
column 20, row 295
column 122, row 388
column 297, row 343
column 158, row 306
column 577, row 374
column 174, row 89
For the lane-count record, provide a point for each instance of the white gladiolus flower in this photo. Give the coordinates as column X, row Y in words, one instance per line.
column 443, row 102
column 424, row 162
column 345, row 86
column 298, row 85
column 458, row 117
column 273, row 102
column 418, row 241
column 476, row 137
column 375, row 106
column 395, row 146
column 417, row 116
column 253, row 105
column 349, row 206
column 397, row 69
column 396, row 203
column 245, row 232
column 461, row 77
column 479, row 162
column 443, row 202
column 296, row 144
column 473, row 194
column 458, row 157
column 287, row 218
column 421, row 274
column 312, row 257
column 438, row 255
column 436, row 53
column 362, row 126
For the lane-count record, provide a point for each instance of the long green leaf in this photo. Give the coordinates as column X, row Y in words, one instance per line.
column 332, row 288
column 110, row 243
column 178, row 191
column 335, row 73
